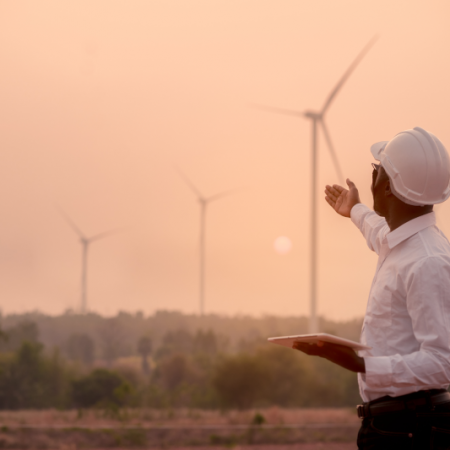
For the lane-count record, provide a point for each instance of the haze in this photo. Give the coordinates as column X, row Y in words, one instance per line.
column 99, row 100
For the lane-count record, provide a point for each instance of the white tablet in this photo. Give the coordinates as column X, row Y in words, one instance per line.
column 288, row 341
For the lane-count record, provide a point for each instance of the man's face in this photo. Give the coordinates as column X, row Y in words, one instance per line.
column 378, row 188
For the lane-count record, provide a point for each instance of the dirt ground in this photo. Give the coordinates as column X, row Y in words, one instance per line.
column 181, row 429
column 176, row 417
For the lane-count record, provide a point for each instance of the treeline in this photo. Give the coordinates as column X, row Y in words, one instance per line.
column 116, row 337
column 72, row 361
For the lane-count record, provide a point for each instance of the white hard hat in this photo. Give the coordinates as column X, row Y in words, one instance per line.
column 418, row 166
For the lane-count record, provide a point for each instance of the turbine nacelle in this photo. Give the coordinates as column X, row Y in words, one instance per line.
column 313, row 115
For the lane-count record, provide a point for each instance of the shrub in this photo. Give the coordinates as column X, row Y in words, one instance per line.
column 240, row 381
column 31, row 379
column 100, row 388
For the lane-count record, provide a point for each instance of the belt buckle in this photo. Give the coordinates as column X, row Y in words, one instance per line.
column 360, row 411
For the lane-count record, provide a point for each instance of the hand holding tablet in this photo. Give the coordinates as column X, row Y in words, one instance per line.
column 288, row 341
column 337, row 350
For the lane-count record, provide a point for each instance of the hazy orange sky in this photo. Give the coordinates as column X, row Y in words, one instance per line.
column 99, row 100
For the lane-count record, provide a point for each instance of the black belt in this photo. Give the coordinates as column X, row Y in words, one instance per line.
column 407, row 402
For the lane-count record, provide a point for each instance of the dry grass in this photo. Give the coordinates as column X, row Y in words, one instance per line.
column 304, row 446
column 180, row 429
column 173, row 418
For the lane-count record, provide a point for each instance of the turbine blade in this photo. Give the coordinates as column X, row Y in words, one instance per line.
column 332, row 151
column 223, row 194
column 287, row 112
column 105, row 234
column 348, row 73
column 70, row 222
column 189, row 183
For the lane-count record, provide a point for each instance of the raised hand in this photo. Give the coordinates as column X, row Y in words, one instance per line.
column 342, row 200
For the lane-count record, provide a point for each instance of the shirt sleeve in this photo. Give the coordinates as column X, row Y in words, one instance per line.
column 373, row 227
column 428, row 304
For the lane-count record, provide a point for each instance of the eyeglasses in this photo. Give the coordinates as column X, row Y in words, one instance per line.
column 376, row 167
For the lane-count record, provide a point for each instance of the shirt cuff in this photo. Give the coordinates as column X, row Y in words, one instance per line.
column 357, row 213
column 378, row 371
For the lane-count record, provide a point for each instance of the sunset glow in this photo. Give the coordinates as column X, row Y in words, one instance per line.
column 282, row 245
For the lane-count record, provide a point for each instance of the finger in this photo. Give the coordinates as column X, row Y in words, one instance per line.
column 308, row 348
column 301, row 347
column 332, row 197
column 350, row 183
column 330, row 202
column 331, row 193
column 339, row 189
column 304, row 346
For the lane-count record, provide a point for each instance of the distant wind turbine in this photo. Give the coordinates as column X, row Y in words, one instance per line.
column 317, row 118
column 85, row 242
column 204, row 203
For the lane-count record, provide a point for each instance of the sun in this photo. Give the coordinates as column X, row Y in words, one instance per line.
column 282, row 245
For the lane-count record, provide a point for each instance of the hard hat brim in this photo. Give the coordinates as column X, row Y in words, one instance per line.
column 377, row 148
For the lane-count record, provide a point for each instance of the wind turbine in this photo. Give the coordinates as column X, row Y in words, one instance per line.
column 318, row 118
column 85, row 242
column 204, row 203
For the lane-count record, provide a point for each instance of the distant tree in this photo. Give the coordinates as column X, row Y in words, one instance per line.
column 23, row 378
column 100, row 388
column 175, row 370
column 175, row 342
column 144, row 348
column 205, row 342
column 80, row 347
column 240, row 381
column 112, row 338
column 26, row 331
column 30, row 379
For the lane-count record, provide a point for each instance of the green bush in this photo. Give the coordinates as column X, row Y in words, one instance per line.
column 283, row 377
column 101, row 388
column 240, row 380
column 31, row 379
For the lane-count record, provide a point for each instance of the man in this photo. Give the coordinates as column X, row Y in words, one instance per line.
column 404, row 378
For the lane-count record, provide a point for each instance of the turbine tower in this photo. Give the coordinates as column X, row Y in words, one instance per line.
column 85, row 242
column 318, row 119
column 204, row 203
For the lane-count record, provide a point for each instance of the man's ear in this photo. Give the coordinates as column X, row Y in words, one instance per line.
column 387, row 189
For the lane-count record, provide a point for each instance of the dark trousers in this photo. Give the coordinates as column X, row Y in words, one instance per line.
column 422, row 429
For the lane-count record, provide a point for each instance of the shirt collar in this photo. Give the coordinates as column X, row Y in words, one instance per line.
column 410, row 228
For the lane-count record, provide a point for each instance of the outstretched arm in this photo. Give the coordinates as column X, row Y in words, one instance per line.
column 342, row 200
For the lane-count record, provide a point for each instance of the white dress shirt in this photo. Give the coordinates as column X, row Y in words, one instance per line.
column 407, row 321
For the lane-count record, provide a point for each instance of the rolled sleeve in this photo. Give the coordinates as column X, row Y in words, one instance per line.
column 378, row 371
column 357, row 213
